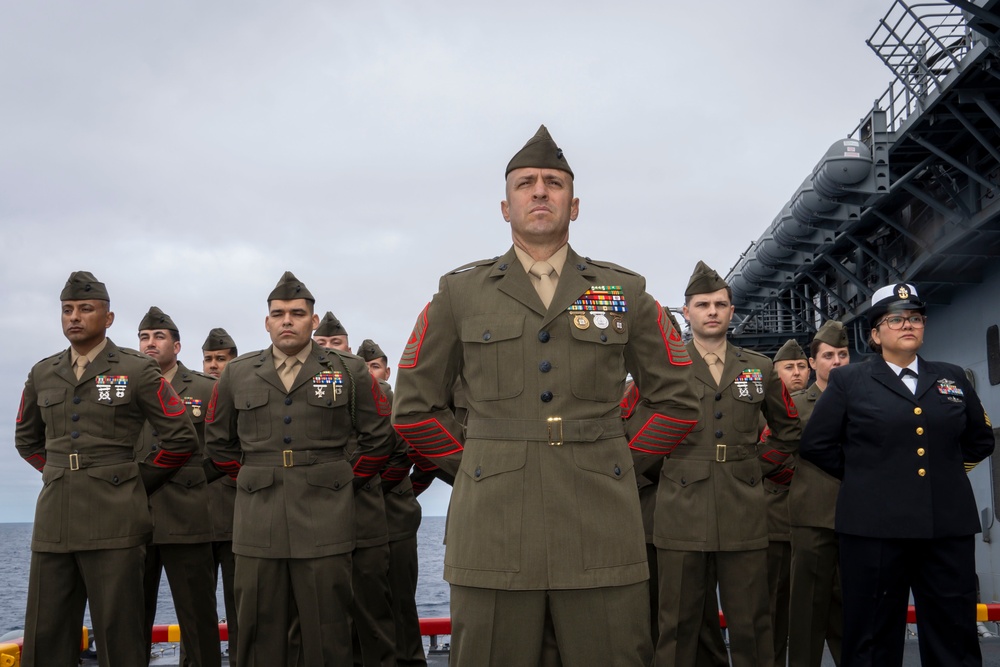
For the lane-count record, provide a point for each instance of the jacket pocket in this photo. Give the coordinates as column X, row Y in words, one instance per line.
column 253, row 418
column 596, row 361
column 49, row 507
column 607, row 505
column 330, row 499
column 328, row 412
column 494, row 356
column 52, row 404
column 486, row 508
column 254, row 506
column 684, row 500
column 116, row 486
column 746, row 504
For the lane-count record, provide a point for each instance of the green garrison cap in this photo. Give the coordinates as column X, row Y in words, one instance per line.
column 82, row 286
column 540, row 151
column 832, row 333
column 330, row 326
column 218, row 339
column 790, row 351
column 369, row 350
column 289, row 288
column 704, row 280
column 157, row 319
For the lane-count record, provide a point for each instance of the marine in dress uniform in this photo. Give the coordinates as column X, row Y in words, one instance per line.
column 711, row 506
column 182, row 530
column 544, row 519
column 78, row 423
column 816, row 606
column 279, row 422
column 402, row 513
column 218, row 350
column 792, row 366
column 374, row 626
column 906, row 513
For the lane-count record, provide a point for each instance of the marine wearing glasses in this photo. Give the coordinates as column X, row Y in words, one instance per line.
column 895, row 322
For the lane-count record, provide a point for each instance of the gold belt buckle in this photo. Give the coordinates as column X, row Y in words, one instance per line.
column 286, row 458
column 555, row 431
column 74, row 461
column 720, row 453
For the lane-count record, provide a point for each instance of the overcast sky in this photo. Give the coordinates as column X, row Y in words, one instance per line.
column 188, row 153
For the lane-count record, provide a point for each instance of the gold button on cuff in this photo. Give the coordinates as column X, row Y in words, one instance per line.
column 918, row 411
column 920, row 451
column 920, row 430
column 921, row 472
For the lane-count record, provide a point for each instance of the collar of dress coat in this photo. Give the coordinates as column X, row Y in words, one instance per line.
column 301, row 355
column 91, row 356
column 557, row 260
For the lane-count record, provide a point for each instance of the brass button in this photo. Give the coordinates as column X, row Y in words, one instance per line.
column 920, row 430
column 921, row 472
column 918, row 411
column 920, row 451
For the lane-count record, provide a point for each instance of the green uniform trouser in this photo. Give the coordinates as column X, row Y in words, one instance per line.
column 226, row 564
column 403, row 568
column 592, row 626
column 191, row 572
column 374, row 626
column 59, row 587
column 779, row 563
column 817, row 609
column 270, row 592
column 742, row 576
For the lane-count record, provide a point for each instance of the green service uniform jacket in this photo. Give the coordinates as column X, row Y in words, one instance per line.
column 711, row 496
column 81, row 434
column 179, row 515
column 295, row 495
column 812, row 495
column 545, row 492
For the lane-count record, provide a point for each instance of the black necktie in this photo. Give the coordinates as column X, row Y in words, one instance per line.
column 907, row 372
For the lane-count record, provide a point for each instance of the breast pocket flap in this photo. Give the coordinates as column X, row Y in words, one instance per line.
column 487, row 329
column 248, row 400
column 254, row 479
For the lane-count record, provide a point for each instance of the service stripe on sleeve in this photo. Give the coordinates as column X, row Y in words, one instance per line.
column 676, row 351
column 783, row 476
column 394, row 474
column 420, row 462
column 37, row 461
column 366, row 466
column 661, row 434
column 775, row 457
column 171, row 403
column 167, row 459
column 412, row 352
column 231, row 468
column 429, row 438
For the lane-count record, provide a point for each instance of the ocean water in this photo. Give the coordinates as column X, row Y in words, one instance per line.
column 15, row 560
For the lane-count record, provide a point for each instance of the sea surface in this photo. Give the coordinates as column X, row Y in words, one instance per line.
column 15, row 560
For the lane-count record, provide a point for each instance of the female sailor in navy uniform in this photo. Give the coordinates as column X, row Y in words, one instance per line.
column 899, row 431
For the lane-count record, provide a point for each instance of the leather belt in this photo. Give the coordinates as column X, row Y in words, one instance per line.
column 719, row 453
column 76, row 461
column 291, row 458
column 554, row 430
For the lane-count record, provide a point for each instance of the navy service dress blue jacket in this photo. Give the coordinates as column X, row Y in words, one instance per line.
column 901, row 456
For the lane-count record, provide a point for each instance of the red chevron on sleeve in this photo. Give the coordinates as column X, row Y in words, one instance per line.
column 419, row 462
column 429, row 438
column 793, row 412
column 661, row 434
column 676, row 352
column 411, row 353
column 171, row 403
column 783, row 476
column 366, row 466
column 37, row 461
column 231, row 468
column 382, row 405
column 765, row 434
column 20, row 410
column 394, row 474
column 210, row 412
column 167, row 459
column 629, row 400
column 775, row 457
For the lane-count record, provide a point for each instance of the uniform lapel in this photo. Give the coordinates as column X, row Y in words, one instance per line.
column 735, row 364
column 700, row 368
column 927, row 377
column 882, row 374
column 266, row 370
column 181, row 379
column 310, row 368
column 512, row 280
column 99, row 366
column 576, row 278
column 64, row 368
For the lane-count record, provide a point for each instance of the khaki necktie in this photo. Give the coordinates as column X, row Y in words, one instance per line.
column 81, row 365
column 714, row 366
column 545, row 287
column 289, row 369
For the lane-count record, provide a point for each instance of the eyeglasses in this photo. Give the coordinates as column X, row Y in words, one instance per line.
column 896, row 321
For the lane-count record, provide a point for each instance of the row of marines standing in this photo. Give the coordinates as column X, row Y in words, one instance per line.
column 137, row 422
